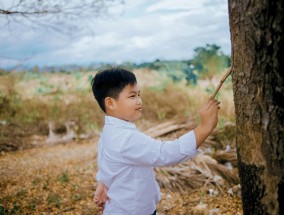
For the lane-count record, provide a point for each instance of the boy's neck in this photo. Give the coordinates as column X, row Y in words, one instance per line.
column 119, row 118
column 115, row 116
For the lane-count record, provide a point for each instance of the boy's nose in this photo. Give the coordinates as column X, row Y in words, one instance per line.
column 139, row 101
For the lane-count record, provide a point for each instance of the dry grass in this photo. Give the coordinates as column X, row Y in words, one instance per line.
column 26, row 111
column 28, row 101
column 49, row 180
column 59, row 179
column 166, row 103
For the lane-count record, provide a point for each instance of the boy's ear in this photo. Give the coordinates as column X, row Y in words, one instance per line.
column 109, row 103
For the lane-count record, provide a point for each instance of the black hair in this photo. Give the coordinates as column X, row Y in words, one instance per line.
column 110, row 83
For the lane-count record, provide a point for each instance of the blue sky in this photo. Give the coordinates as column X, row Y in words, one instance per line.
column 137, row 31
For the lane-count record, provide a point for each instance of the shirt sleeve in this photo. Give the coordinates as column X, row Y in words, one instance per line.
column 99, row 155
column 98, row 175
column 140, row 149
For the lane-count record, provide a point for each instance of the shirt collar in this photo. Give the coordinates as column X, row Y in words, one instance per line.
column 116, row 121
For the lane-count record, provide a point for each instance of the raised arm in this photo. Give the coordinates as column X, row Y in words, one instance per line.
column 140, row 149
column 209, row 119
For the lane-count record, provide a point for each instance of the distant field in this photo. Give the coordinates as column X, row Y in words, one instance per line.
column 29, row 101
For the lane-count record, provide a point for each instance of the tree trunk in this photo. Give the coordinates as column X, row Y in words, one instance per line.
column 257, row 62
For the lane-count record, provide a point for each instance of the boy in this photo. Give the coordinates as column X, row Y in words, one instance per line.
column 126, row 156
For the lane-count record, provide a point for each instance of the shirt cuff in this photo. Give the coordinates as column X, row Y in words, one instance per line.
column 187, row 144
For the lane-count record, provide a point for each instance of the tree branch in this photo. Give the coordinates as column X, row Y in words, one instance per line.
column 7, row 12
column 222, row 81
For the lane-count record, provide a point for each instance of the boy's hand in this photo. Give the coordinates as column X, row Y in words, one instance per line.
column 209, row 119
column 209, row 114
column 100, row 196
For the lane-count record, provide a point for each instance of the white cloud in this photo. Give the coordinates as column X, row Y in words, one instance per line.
column 176, row 5
column 145, row 31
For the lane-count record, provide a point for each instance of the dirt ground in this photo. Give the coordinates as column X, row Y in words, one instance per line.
column 60, row 179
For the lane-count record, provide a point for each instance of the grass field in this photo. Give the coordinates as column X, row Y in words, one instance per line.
column 42, row 177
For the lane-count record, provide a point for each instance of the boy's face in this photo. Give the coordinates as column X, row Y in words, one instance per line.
column 128, row 105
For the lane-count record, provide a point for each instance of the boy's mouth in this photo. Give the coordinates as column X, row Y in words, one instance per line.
column 139, row 109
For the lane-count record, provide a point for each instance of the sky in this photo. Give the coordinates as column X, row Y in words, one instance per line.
column 136, row 31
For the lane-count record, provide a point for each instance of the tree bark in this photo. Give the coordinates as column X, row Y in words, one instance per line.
column 257, row 62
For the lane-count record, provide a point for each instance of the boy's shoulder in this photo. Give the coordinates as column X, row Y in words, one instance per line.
column 116, row 133
column 121, row 134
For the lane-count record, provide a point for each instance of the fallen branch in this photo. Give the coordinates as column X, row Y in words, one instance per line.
column 167, row 127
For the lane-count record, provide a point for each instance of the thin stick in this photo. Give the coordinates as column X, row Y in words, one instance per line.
column 222, row 81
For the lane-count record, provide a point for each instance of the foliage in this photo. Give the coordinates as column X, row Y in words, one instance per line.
column 177, row 71
column 207, row 62
column 210, row 60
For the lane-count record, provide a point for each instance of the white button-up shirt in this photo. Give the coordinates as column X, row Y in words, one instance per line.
column 126, row 158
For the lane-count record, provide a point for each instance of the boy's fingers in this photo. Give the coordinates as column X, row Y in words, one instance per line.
column 214, row 105
column 101, row 204
column 100, row 209
column 208, row 103
column 212, row 102
column 96, row 200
